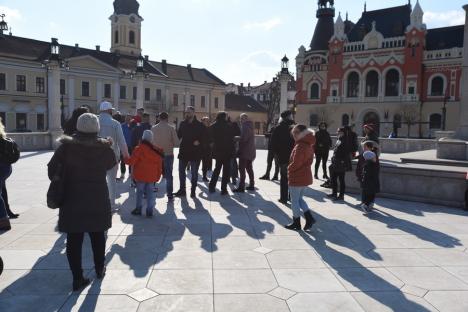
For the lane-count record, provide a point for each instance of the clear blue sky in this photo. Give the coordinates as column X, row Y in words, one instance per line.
column 238, row 40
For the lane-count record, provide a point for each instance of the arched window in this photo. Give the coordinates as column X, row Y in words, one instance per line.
column 353, row 85
column 392, row 83
column 314, row 91
column 345, row 120
column 131, row 37
column 372, row 84
column 435, row 121
column 116, row 36
column 437, row 86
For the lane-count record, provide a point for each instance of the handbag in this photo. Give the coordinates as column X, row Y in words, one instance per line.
column 56, row 191
column 338, row 165
column 9, row 151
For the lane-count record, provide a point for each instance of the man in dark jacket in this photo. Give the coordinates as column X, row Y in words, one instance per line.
column 283, row 144
column 322, row 148
column 271, row 158
column 137, row 132
column 191, row 133
column 340, row 163
column 370, row 184
column 222, row 134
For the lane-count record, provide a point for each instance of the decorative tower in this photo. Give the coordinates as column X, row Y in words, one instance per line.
column 126, row 27
column 325, row 25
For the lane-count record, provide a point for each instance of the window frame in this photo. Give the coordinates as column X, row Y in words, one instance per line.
column 21, row 85
column 85, row 86
column 40, row 85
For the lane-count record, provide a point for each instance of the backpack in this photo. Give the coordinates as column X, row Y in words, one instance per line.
column 9, row 151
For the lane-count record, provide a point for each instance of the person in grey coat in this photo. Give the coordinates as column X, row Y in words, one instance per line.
column 247, row 154
column 85, row 208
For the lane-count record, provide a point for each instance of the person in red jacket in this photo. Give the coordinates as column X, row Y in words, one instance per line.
column 300, row 176
column 146, row 162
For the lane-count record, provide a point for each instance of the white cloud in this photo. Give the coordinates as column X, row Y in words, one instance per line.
column 258, row 66
column 448, row 18
column 10, row 14
column 264, row 25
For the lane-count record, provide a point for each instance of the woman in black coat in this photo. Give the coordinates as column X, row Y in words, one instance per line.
column 86, row 208
column 322, row 148
column 340, row 163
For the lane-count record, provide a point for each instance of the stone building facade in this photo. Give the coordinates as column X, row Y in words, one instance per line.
column 387, row 69
column 38, row 87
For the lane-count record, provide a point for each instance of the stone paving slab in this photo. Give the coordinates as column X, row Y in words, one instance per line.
column 229, row 254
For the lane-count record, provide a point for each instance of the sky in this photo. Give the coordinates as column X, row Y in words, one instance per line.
column 237, row 40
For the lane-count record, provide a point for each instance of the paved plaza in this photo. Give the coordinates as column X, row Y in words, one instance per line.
column 231, row 254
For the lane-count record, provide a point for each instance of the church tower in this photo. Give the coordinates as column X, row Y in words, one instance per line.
column 126, row 28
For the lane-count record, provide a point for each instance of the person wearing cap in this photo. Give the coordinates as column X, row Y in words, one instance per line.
column 247, row 154
column 146, row 161
column 192, row 134
column 283, row 144
column 370, row 184
column 111, row 129
column 86, row 207
column 372, row 137
column 165, row 136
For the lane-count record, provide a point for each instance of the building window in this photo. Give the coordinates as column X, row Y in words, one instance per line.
column 411, row 90
column 40, row 85
column 116, row 36
column 345, row 120
column 334, row 92
column 437, row 86
column 175, row 99
column 203, row 102
column 21, row 121
column 372, row 84
column 131, row 37
column 216, row 103
column 353, row 85
column 3, row 118
column 314, row 91
column 392, row 83
column 158, row 95
column 21, row 83
column 84, row 88
column 62, row 87
column 123, row 92
column 40, row 122
column 107, row 91
column 435, row 121
column 192, row 100
column 147, row 94
column 135, row 93
column 313, row 120
column 2, row 81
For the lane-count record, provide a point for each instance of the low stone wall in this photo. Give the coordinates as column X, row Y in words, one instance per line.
column 32, row 141
column 445, row 186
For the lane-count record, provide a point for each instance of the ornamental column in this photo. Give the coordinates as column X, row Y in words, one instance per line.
column 140, row 78
column 284, row 80
column 462, row 132
column 53, row 101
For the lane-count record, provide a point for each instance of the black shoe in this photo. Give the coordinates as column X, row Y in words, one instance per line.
column 295, row 226
column 275, row 178
column 332, row 196
column 13, row 215
column 170, row 197
column 265, row 177
column 341, row 197
column 309, row 220
column 325, row 177
column 192, row 194
column 234, row 181
column 251, row 188
column 136, row 212
column 101, row 273
column 80, row 284
column 224, row 192
column 239, row 190
column 205, row 179
column 180, row 193
column 316, row 177
column 211, row 190
column 283, row 201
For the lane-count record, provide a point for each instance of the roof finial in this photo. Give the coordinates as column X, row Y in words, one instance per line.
column 365, row 6
column 346, row 16
column 409, row 2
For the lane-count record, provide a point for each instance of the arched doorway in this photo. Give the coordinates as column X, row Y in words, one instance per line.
column 374, row 119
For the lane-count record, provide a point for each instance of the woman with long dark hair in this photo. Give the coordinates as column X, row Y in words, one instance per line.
column 70, row 126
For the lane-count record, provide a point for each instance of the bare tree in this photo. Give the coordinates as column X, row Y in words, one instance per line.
column 410, row 117
column 273, row 105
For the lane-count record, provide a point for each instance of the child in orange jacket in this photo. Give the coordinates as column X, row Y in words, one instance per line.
column 146, row 161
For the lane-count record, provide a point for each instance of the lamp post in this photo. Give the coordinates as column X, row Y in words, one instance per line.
column 140, row 75
column 284, row 80
column 3, row 25
column 444, row 112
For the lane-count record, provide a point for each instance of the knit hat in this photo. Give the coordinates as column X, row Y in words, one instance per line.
column 368, row 155
column 88, row 123
column 286, row 114
column 147, row 136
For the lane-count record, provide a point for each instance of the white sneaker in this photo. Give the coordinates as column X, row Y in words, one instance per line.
column 365, row 208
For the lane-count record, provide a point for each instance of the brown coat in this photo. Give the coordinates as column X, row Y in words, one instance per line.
column 300, row 163
column 247, row 148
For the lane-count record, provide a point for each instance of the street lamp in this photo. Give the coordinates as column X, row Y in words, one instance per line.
column 54, row 49
column 444, row 112
column 140, row 64
column 285, row 65
column 3, row 25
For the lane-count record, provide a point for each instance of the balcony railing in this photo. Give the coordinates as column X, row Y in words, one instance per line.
column 380, row 99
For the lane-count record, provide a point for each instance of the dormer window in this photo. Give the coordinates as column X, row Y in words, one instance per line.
column 131, row 37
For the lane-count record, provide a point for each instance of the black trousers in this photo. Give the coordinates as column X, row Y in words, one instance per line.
column 284, row 189
column 226, row 165
column 207, row 162
column 321, row 158
column 5, row 200
column 270, row 158
column 335, row 176
column 368, row 197
column 74, row 247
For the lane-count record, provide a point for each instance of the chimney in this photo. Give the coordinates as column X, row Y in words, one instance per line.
column 98, row 48
column 146, row 57
column 265, row 82
column 164, row 66
column 77, row 45
column 249, row 85
column 189, row 68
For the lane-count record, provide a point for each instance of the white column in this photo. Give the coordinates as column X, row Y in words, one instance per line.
column 99, row 91
column 284, row 79
column 116, row 96
column 71, row 94
column 53, row 84
column 167, row 99
column 140, row 91
column 462, row 131
column 208, row 102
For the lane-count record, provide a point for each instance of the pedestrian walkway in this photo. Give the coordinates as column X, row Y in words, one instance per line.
column 231, row 254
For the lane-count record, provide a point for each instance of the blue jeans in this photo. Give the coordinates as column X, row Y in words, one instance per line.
column 168, row 164
column 148, row 189
column 5, row 172
column 297, row 202
column 194, row 166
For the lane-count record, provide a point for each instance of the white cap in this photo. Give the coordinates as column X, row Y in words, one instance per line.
column 147, row 136
column 105, row 106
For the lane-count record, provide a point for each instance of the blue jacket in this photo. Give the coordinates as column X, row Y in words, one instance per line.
column 127, row 132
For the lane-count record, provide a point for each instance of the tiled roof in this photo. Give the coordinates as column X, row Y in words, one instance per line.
column 445, row 38
column 126, row 7
column 390, row 22
column 38, row 51
column 324, row 30
column 242, row 103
